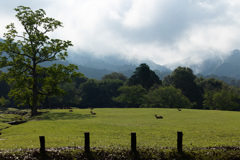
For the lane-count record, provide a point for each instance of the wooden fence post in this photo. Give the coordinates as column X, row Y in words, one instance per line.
column 179, row 141
column 42, row 144
column 133, row 142
column 87, row 142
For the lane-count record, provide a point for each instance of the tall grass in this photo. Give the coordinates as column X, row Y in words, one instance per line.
column 112, row 127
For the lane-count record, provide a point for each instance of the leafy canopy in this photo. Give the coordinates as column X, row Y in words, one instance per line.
column 166, row 97
column 24, row 53
column 184, row 79
column 132, row 96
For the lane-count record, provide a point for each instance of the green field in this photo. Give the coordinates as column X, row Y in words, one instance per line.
column 111, row 128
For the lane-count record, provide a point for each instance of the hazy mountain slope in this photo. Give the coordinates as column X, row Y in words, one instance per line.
column 230, row 67
column 87, row 71
column 93, row 67
column 111, row 62
column 92, row 72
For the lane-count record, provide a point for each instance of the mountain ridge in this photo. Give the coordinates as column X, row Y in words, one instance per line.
column 214, row 66
column 95, row 67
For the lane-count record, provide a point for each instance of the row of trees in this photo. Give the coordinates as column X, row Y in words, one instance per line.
column 181, row 89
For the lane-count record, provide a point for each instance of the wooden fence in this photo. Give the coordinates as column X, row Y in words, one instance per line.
column 133, row 142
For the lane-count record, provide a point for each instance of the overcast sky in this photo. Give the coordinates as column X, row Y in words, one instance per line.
column 165, row 31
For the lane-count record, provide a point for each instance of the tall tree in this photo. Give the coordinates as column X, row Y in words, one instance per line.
column 184, row 79
column 144, row 76
column 30, row 82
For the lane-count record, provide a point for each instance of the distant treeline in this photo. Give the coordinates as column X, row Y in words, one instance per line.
column 180, row 89
column 229, row 80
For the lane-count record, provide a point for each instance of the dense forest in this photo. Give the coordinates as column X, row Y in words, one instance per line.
column 181, row 89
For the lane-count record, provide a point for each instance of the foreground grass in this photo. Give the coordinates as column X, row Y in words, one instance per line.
column 111, row 128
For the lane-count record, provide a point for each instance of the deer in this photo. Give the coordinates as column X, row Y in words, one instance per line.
column 93, row 113
column 158, row 117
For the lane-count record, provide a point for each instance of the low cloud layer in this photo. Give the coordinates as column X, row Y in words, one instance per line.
column 168, row 32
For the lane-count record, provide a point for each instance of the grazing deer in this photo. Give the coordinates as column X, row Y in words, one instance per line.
column 93, row 113
column 158, row 117
column 179, row 109
column 70, row 110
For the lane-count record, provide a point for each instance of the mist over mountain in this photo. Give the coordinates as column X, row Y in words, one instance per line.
column 95, row 67
column 230, row 67
column 111, row 62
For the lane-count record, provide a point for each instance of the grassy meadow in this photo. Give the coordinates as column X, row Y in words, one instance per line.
column 111, row 128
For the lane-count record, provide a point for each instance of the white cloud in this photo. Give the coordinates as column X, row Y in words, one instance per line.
column 166, row 31
column 141, row 14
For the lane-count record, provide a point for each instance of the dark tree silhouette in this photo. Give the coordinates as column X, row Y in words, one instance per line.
column 144, row 76
column 184, row 79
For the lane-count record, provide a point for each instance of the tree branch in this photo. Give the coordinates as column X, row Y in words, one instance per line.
column 48, row 58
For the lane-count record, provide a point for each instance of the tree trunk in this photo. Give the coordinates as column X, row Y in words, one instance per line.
column 33, row 111
column 34, row 90
column 34, row 100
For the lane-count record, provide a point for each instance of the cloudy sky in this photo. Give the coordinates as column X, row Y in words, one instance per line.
column 166, row 31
